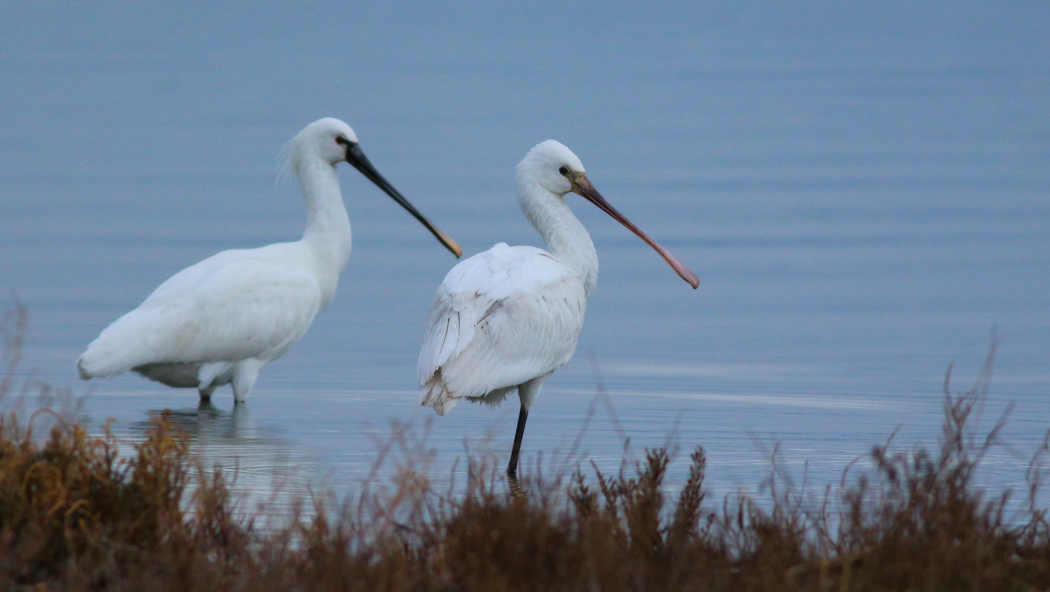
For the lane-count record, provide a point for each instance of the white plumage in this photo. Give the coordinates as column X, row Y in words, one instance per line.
column 505, row 319
column 221, row 320
column 501, row 318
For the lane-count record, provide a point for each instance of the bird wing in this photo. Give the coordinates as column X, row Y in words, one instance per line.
column 499, row 319
column 232, row 306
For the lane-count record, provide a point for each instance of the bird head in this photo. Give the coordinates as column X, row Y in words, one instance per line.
column 333, row 141
column 552, row 166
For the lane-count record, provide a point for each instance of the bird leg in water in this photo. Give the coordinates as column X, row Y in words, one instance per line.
column 206, row 392
column 512, row 467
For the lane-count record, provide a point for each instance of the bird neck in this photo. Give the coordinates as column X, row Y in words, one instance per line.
column 327, row 223
column 565, row 236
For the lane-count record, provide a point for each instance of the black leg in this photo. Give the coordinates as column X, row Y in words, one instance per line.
column 512, row 468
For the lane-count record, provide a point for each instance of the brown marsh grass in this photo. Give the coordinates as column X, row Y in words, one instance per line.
column 76, row 514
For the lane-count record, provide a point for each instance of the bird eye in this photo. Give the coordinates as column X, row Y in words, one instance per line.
column 564, row 170
column 341, row 141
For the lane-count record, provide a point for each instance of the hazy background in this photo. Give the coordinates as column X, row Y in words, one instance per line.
column 863, row 189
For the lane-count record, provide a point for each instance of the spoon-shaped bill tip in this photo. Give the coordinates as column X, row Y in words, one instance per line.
column 680, row 268
column 450, row 244
column 582, row 185
column 688, row 275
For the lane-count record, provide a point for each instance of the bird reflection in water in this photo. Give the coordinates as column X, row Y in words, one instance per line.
column 207, row 423
column 255, row 458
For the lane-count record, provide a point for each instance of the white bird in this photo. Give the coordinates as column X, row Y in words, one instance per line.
column 220, row 321
column 505, row 319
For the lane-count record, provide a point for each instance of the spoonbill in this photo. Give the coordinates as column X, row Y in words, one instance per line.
column 221, row 320
column 505, row 319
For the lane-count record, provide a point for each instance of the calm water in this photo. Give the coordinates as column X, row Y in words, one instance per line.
column 864, row 191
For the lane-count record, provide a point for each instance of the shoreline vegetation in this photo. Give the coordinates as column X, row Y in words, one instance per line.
column 80, row 512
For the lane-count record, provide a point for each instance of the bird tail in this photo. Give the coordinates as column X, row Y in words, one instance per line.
column 85, row 374
column 115, row 350
column 93, row 363
column 435, row 394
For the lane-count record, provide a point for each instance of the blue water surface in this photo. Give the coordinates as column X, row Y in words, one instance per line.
column 864, row 191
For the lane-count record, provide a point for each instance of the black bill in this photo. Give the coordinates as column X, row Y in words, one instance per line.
column 357, row 158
